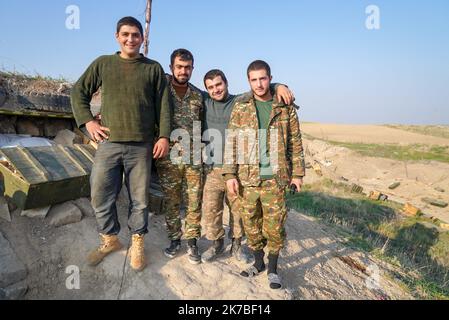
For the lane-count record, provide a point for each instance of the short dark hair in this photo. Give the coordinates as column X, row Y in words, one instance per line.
column 183, row 54
column 212, row 74
column 129, row 21
column 259, row 65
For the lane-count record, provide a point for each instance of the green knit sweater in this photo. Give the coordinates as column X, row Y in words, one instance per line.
column 134, row 98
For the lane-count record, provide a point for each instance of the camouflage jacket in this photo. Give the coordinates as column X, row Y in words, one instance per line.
column 284, row 134
column 186, row 111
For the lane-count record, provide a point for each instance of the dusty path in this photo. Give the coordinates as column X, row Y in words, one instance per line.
column 368, row 134
column 310, row 266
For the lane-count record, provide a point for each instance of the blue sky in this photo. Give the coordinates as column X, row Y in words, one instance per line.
column 340, row 71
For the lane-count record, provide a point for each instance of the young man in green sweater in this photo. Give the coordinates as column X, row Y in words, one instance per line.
column 135, row 99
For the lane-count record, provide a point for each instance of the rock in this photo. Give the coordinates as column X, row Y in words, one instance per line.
column 4, row 209
column 36, row 213
column 7, row 125
column 394, row 185
column 12, row 270
column 374, row 195
column 410, row 210
column 53, row 126
column 85, row 206
column 16, row 291
column 3, row 96
column 317, row 168
column 435, row 202
column 65, row 213
column 26, row 126
column 67, row 138
column 439, row 189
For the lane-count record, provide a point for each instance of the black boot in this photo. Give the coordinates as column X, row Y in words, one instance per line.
column 193, row 251
column 171, row 251
column 273, row 277
column 257, row 267
column 214, row 251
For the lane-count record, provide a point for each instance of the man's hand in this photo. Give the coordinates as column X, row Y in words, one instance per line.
column 298, row 183
column 161, row 148
column 233, row 187
column 96, row 131
column 284, row 93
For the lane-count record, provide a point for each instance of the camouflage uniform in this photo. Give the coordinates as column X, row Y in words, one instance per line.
column 263, row 201
column 181, row 177
column 213, row 206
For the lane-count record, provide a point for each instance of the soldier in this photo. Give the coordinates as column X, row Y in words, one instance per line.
column 218, row 107
column 181, row 174
column 271, row 161
column 135, row 99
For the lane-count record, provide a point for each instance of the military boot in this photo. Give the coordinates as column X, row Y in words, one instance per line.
column 214, row 251
column 137, row 252
column 109, row 244
column 193, row 252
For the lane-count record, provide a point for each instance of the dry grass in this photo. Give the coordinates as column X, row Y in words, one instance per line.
column 441, row 131
column 415, row 244
column 26, row 84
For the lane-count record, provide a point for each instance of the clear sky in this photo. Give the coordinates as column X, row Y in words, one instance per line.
column 340, row 71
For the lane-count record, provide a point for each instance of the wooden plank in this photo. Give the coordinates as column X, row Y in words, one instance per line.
column 67, row 153
column 85, row 152
column 8, row 164
column 38, row 114
column 56, row 162
column 39, row 167
column 22, row 165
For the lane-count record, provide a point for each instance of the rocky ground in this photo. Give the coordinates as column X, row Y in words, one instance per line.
column 315, row 265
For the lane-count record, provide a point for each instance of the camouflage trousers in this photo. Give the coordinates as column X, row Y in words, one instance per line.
column 213, row 204
column 264, row 214
column 181, row 184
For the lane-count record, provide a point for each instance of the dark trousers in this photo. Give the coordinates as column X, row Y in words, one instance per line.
column 113, row 161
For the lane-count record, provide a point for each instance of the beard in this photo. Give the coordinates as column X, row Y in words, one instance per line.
column 180, row 82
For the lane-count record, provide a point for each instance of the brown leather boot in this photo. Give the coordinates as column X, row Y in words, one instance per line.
column 108, row 245
column 138, row 262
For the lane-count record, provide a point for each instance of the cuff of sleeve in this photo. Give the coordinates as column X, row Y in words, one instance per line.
column 164, row 133
column 83, row 120
column 229, row 176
